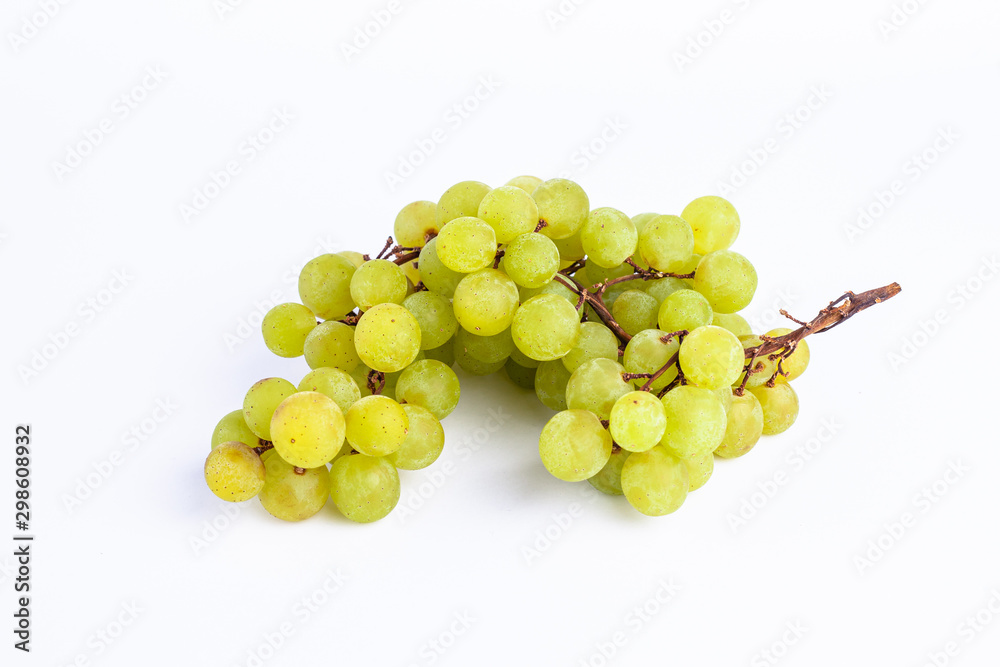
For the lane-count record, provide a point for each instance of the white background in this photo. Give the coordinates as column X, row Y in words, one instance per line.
column 671, row 131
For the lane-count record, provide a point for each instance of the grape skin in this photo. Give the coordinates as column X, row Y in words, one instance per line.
column 234, row 472
column 574, row 446
column 364, row 488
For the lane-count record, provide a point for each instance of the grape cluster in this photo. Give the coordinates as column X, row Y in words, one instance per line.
column 626, row 327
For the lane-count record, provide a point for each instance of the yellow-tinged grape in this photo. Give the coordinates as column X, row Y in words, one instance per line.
column 546, row 327
column 526, row 183
column 414, row 223
column 325, row 286
column 655, row 482
column 431, row 384
column 666, row 243
column 510, row 211
column 551, row 379
column 424, row 441
column 378, row 281
column 293, row 494
column 531, row 260
column 595, row 386
column 387, row 338
column 795, row 364
column 727, row 279
column 661, row 288
column 435, row 316
column 711, row 357
column 648, row 352
column 473, row 366
column 233, row 428
column 700, row 468
column 780, row 404
column 234, row 472
column 696, row 420
column 261, row 401
column 521, row 376
column 744, row 426
column 609, row 479
column 521, row 359
column 434, row 274
column 443, row 353
column 635, row 310
column 563, row 206
column 684, row 310
column 334, row 383
column 376, row 425
column 412, row 274
column 609, row 237
column 354, row 257
column 285, row 328
column 485, row 302
column 714, row 222
column 570, row 248
column 364, row 488
column 596, row 342
column 460, row 200
column 487, row 349
column 331, row 345
column 725, row 395
column 638, row 421
column 307, row 429
column 574, row 446
column 763, row 366
column 466, row 244
column 733, row 322
column 642, row 219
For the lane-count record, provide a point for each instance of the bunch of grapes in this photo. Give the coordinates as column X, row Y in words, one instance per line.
column 627, row 327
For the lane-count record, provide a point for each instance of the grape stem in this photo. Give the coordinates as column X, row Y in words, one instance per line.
column 376, row 382
column 263, row 446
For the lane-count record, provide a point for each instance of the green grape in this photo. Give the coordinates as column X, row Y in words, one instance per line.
column 412, row 274
column 267, row 454
column 609, row 237
column 378, row 281
column 696, row 420
column 443, row 353
column 434, row 274
column 563, row 206
column 531, row 260
column 435, row 316
column 711, row 357
column 546, row 327
column 684, row 310
column 725, row 395
column 325, row 286
column 510, row 211
column 364, row 488
column 574, row 446
column 661, row 288
column 415, row 223
column 360, row 377
column 485, row 302
column 733, row 322
column 261, row 401
column 521, row 359
column 234, row 472
column 599, row 274
column 570, row 248
column 473, row 366
column 424, row 441
column 795, row 364
column 285, row 328
column 763, row 366
column 638, row 421
column 307, row 429
column 293, row 494
column 700, row 468
column 714, row 222
column 780, row 404
column 595, row 386
column 466, row 245
column 642, row 219
column 609, row 479
column 334, row 383
column 655, row 482
column 635, row 310
column 551, row 379
column 596, row 342
column 460, row 200
column 233, row 428
column 526, row 183
column 648, row 352
column 487, row 349
column 331, row 345
column 519, row 375
column 387, row 338
column 559, row 289
column 376, row 425
column 430, row 384
column 666, row 243
column 744, row 426
column 727, row 279
column 354, row 257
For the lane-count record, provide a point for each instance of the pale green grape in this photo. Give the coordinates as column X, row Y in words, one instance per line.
column 526, row 183
column 488, row 349
column 519, row 375
column 546, row 327
column 460, row 200
column 233, row 428
column 466, row 245
column 387, row 338
column 376, row 425
column 285, row 328
column 642, row 219
column 261, row 401
column 563, row 206
column 596, row 342
column 648, row 352
column 360, row 377
column 521, row 359
column 234, row 472
column 609, row 479
column 267, row 454
column 714, row 222
column 733, row 322
column 412, row 274
column 325, row 286
column 684, row 310
column 780, row 404
column 609, row 237
column 763, row 366
column 655, row 482
column 424, row 440
column 574, row 446
column 293, row 494
column 531, row 260
column 559, row 289
column 551, row 379
column 485, row 302
column 331, row 345
column 435, row 316
column 334, row 383
column 700, row 468
column 510, row 211
column 307, row 429
column 638, row 421
column 354, row 257
column 430, row 384
column 666, row 243
column 795, row 364
column 415, row 223
column 696, row 420
column 725, row 395
column 364, row 488
column 473, row 366
column 635, row 310
column 711, row 357
column 434, row 274
column 727, row 279
column 595, row 386
column 570, row 248
column 378, row 281
column 661, row 288
column 744, row 426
